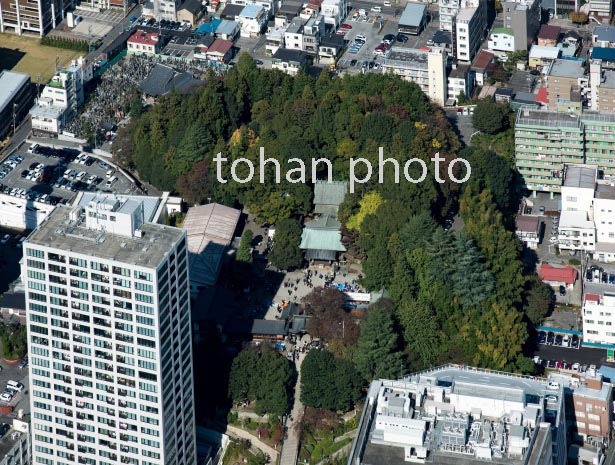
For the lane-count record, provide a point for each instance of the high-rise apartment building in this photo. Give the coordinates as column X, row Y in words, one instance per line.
column 110, row 352
column 545, row 141
column 523, row 17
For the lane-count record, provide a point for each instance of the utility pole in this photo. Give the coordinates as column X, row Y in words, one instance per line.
column 38, row 85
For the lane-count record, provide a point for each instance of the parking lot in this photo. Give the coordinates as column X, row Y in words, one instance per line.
column 373, row 27
column 19, row 400
column 55, row 175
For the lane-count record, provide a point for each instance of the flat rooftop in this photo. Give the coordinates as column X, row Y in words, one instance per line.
column 604, row 191
column 407, row 58
column 580, row 176
column 146, row 251
column 10, row 84
column 567, row 68
column 413, row 14
column 547, row 119
column 456, row 415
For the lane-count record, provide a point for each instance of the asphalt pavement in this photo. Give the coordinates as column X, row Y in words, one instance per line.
column 583, row 355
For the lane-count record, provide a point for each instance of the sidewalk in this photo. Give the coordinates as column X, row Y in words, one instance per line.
column 290, row 448
column 238, row 432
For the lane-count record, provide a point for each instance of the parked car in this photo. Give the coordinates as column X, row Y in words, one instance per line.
column 574, row 341
column 346, row 26
column 23, row 363
column 575, row 367
column 542, row 337
column 553, row 385
column 560, row 364
column 542, row 210
column 551, row 399
column 6, row 396
column 558, row 340
column 550, row 338
column 402, row 38
column 566, row 340
column 33, row 148
column 562, row 291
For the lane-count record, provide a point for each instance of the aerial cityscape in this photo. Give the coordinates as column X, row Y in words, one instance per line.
column 307, row 232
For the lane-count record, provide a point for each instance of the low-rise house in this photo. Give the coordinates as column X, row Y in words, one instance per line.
column 604, row 36
column 287, row 12
column 480, row 66
column 253, row 20
column 200, row 51
column 527, row 229
column 231, row 11
column 460, row 79
column 558, row 276
column 313, row 30
column 289, row 61
column 334, row 12
column 220, row 51
column 503, row 95
column 548, row 35
column 190, row 12
column 227, row 30
column 502, row 40
column 143, row 42
column 605, row 55
column 275, row 40
column 293, row 36
column 329, row 48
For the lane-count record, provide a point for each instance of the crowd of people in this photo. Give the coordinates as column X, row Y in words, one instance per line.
column 118, row 86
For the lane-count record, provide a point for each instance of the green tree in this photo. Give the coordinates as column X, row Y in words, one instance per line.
column 285, row 253
column 420, row 330
column 538, row 300
column 377, row 354
column 472, row 282
column 264, row 378
column 490, row 117
column 328, row 383
column 244, row 251
column 136, row 107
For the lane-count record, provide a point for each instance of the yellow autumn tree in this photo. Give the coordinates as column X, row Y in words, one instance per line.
column 367, row 205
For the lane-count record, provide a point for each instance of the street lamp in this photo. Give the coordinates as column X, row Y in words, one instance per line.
column 14, row 119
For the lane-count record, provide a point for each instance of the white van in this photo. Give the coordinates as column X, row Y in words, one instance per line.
column 109, row 173
column 377, row 9
column 14, row 385
column 111, row 181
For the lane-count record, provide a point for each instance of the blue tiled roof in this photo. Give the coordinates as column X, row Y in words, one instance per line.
column 603, row 53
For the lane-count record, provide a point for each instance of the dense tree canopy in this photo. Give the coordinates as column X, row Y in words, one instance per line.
column 490, row 117
column 264, row 377
column 285, row 253
column 328, row 382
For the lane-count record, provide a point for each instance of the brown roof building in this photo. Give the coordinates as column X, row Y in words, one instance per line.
column 549, row 35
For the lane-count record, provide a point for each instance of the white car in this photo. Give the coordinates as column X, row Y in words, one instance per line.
column 361, row 37
column 553, row 239
column 566, row 341
column 91, row 179
column 81, row 175
column 553, row 386
column 32, row 148
column 6, row 397
column 387, row 3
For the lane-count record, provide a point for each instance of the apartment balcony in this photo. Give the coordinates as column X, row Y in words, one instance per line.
column 122, row 392
column 111, row 401
column 101, row 322
column 121, row 337
column 103, row 355
column 122, row 403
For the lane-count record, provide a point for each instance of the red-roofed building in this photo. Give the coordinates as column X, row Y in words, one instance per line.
column 549, row 35
column 542, row 97
column 592, row 298
column 480, row 65
column 558, row 276
column 144, row 42
column 221, row 51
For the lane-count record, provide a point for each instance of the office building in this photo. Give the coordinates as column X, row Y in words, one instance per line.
column 413, row 18
column 523, row 17
column 33, row 16
column 109, row 336
column 456, row 414
column 16, row 96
